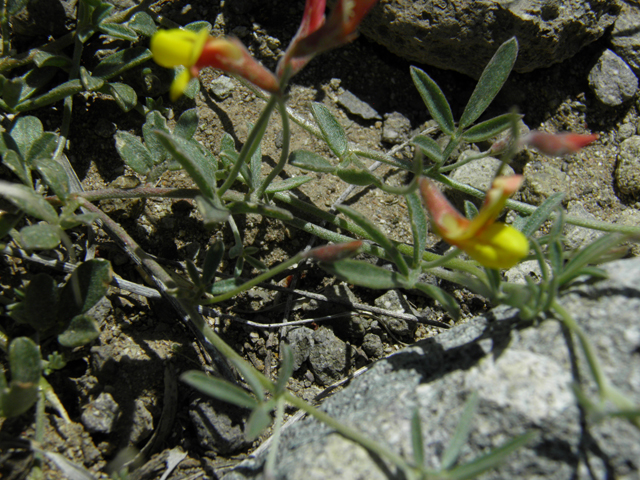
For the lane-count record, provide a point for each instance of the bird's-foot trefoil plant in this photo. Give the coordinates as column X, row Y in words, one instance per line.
column 46, row 204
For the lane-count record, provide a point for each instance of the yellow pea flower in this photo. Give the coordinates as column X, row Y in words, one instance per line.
column 492, row 244
column 195, row 51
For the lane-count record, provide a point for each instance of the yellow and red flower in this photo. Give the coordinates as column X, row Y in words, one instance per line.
column 315, row 36
column 195, row 51
column 492, row 244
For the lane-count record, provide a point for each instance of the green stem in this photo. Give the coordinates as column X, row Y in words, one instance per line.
column 284, row 154
column 250, row 146
column 254, row 281
column 460, row 163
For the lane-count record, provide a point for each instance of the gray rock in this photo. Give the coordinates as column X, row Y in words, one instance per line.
column 372, row 345
column 396, row 128
column 478, row 173
column 100, row 415
column 222, row 87
column 612, row 80
column 217, row 425
column 463, row 35
column 141, row 424
column 521, row 271
column 300, row 340
column 625, row 36
column 394, row 301
column 542, row 180
column 523, row 375
column 626, row 130
column 628, row 168
column 328, row 357
column 578, row 237
column 356, row 106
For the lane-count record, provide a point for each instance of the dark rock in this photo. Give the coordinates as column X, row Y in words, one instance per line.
column 463, row 35
column 219, row 425
column 625, row 36
column 628, row 168
column 392, row 300
column 356, row 106
column 328, row 357
column 372, row 345
column 300, row 339
column 612, row 80
column 101, row 415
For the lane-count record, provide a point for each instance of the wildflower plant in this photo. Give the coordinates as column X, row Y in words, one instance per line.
column 47, row 203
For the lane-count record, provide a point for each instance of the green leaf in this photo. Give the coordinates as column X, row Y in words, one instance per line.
column 212, row 261
column 470, row 210
column 434, row 99
column 25, row 132
column 28, row 201
column 493, row 77
column 590, row 254
column 42, row 147
column 331, row 129
column 47, row 59
column 212, row 211
column 310, row 161
column 124, row 96
column 288, row 184
column 461, row 435
column 37, row 309
column 187, row 124
column 14, row 162
column 357, row 176
column 419, row 225
column 198, row 25
column 364, row 274
column 133, row 152
column 248, row 373
column 429, row 147
column 121, row 61
column 192, row 88
column 88, row 82
column 260, row 209
column 542, row 213
column 447, row 301
column 218, row 388
column 12, row 91
column 155, row 121
column 377, row 236
column 143, row 24
column 416, row 439
column 8, row 222
column 258, row 422
column 42, row 236
column 123, row 32
column 91, row 281
column 25, row 366
column 81, row 330
column 491, row 460
column 286, row 369
column 193, row 161
column 255, row 263
column 54, row 176
column 490, row 128
column 101, row 11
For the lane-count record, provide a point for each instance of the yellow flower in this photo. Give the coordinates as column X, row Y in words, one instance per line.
column 490, row 243
column 194, row 51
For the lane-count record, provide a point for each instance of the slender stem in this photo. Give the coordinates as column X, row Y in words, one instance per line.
column 250, row 146
column 460, row 163
column 254, row 281
column 284, row 153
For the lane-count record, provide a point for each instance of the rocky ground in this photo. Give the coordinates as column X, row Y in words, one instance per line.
column 123, row 389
